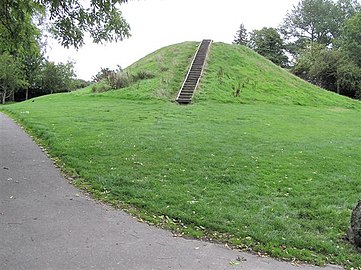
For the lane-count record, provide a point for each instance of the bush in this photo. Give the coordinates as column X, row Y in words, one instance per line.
column 120, row 79
column 101, row 87
column 143, row 75
column 117, row 79
column 102, row 75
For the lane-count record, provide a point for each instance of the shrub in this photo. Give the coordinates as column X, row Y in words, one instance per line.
column 116, row 79
column 143, row 75
column 101, row 87
column 119, row 79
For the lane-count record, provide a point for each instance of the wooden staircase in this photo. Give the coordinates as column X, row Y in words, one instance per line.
column 195, row 72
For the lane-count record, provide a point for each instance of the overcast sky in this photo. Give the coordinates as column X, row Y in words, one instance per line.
column 158, row 23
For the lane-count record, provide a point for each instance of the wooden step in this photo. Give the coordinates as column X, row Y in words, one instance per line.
column 194, row 74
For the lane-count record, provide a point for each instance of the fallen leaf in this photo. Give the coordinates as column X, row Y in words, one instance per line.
column 138, row 163
column 233, row 263
column 241, row 259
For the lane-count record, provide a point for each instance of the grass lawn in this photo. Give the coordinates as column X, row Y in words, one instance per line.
column 266, row 175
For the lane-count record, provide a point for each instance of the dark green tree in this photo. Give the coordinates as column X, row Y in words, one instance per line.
column 310, row 21
column 316, row 21
column 241, row 37
column 268, row 42
column 347, row 9
column 11, row 77
column 68, row 20
column 55, row 78
column 331, row 69
column 23, row 22
column 18, row 31
column 351, row 38
column 324, row 38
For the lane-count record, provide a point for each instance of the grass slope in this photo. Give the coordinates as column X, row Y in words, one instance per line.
column 168, row 65
column 260, row 81
column 267, row 175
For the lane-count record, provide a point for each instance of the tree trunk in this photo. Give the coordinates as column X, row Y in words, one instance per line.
column 355, row 230
column 26, row 93
column 3, row 97
column 12, row 96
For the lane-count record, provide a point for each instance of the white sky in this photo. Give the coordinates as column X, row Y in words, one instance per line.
column 158, row 23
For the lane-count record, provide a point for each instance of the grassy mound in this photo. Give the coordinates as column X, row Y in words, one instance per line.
column 233, row 67
column 230, row 67
column 266, row 175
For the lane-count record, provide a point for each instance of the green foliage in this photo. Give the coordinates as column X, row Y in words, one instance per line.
column 311, row 20
column 56, row 78
column 331, row 69
column 324, row 36
column 348, row 80
column 102, row 19
column 346, row 10
column 103, row 74
column 316, row 21
column 351, row 38
column 18, row 32
column 11, row 77
column 20, row 37
column 268, row 43
column 69, row 21
column 307, row 58
column 241, row 37
column 101, row 87
column 143, row 75
column 78, row 84
column 120, row 79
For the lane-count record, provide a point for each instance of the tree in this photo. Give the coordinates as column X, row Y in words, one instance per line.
column 331, row 69
column 268, row 42
column 305, row 61
column 68, row 20
column 354, row 233
column 347, row 9
column 24, row 22
column 348, row 81
column 241, row 37
column 17, row 29
column 11, row 77
column 55, row 78
column 316, row 21
column 310, row 21
column 324, row 38
column 351, row 38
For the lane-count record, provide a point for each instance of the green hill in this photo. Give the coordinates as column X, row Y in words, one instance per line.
column 229, row 67
column 275, row 170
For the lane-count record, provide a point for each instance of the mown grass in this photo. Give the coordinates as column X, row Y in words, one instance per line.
column 168, row 65
column 276, row 178
column 259, row 81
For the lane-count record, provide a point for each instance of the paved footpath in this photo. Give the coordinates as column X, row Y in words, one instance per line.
column 46, row 223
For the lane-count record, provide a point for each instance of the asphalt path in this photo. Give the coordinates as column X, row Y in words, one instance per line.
column 46, row 223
